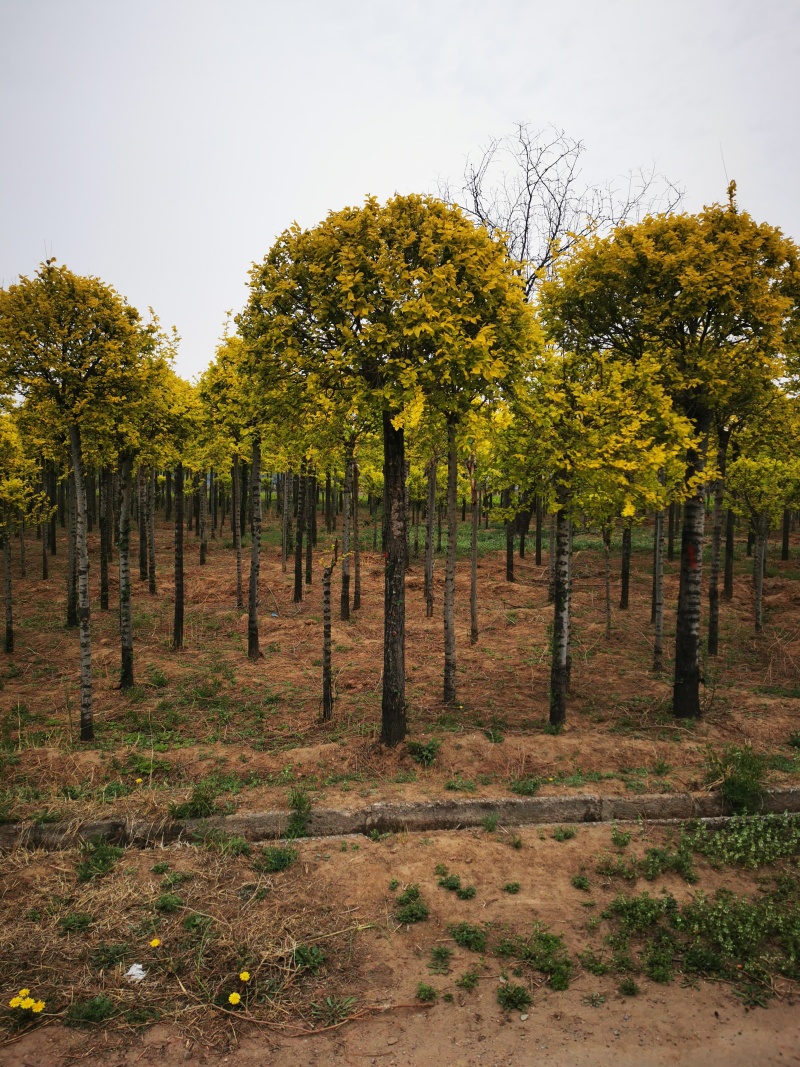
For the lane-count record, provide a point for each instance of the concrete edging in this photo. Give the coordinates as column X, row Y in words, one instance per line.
column 388, row 817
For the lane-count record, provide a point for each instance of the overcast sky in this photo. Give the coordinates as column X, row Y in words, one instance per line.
column 162, row 145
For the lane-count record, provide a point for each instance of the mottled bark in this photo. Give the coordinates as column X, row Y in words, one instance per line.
column 299, row 534
column 344, row 601
column 141, row 515
column 124, row 555
column 430, row 519
column 551, row 552
column 9, row 639
column 105, row 540
column 84, row 612
column 686, row 689
column 450, row 568
column 255, row 549
column 671, row 532
column 393, row 702
column 716, row 546
column 559, row 669
column 202, row 521
column 236, row 529
column 72, row 555
column 473, row 554
column 151, row 532
column 625, row 573
column 177, row 625
column 356, row 542
column 311, row 507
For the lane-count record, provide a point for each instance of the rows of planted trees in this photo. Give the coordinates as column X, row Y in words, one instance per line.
column 394, row 369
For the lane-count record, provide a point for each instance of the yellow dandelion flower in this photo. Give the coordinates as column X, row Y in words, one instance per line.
column 15, row 1002
column 139, row 781
column 244, row 976
column 24, row 992
column 155, row 942
column 234, row 999
column 38, row 1006
column 27, row 1002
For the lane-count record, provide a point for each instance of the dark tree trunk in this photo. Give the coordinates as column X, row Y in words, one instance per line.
column 393, row 703
column 625, row 575
column 151, row 533
column 177, row 627
column 243, row 481
column 328, row 505
column 671, row 532
column 301, row 524
column 730, row 521
column 430, row 518
column 141, row 500
column 311, row 503
column 787, row 522
column 72, row 556
column 473, row 555
column 9, row 641
column 236, row 507
column 168, row 508
column 105, row 539
column 84, row 611
column 716, row 546
column 658, row 588
column 356, row 543
column 686, row 689
column 255, row 550
column 450, row 568
column 124, row 552
column 560, row 666
column 202, row 523
column 344, row 602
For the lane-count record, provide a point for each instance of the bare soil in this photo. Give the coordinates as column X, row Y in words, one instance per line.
column 249, row 732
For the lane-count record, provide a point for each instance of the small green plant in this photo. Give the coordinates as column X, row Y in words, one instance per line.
column 300, row 803
column 274, row 858
column 440, row 959
column 105, row 956
column 513, row 997
column 426, row 993
column 168, row 903
column 460, row 785
column 515, row 841
column 89, row 1012
column 450, row 881
column 160, row 868
column 196, row 924
column 580, row 881
column 620, row 838
column 409, row 907
column 75, row 923
column 564, row 833
column 333, row 1009
column 468, row 936
column 740, row 774
column 490, row 823
column 493, row 735
column 594, row 1000
column 615, row 867
column 200, row 805
column 393, row 885
column 468, row 980
column 511, row 887
column 224, row 843
column 308, row 958
column 99, row 858
column 628, row 988
column 794, row 739
column 465, row 892
column 525, row 787
column 423, row 752
column 593, row 963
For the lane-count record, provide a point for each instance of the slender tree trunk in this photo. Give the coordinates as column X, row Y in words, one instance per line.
column 658, row 587
column 72, row 555
column 626, row 567
column 759, row 566
column 255, row 549
column 124, row 552
column 393, row 703
column 450, row 567
column 168, row 488
column 356, row 542
column 787, row 522
column 286, row 534
column 214, row 496
column 560, row 666
column 177, row 628
column 473, row 554
column 141, row 499
column 730, row 521
column 84, row 611
column 327, row 672
column 510, row 528
column 151, row 533
column 344, row 604
column 538, row 530
column 243, row 482
column 9, row 641
column 686, row 689
column 236, row 507
column 673, row 508
column 298, row 545
column 203, row 518
column 328, row 504
column 607, row 568
column 551, row 551
column 716, row 547
column 105, row 541
column 311, row 505
column 430, row 518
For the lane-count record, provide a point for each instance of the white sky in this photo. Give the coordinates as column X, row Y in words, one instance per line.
column 163, row 144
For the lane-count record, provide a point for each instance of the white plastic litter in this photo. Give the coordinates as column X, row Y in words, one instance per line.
column 135, row 973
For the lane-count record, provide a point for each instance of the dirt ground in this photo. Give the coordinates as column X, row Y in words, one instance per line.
column 382, row 963
column 248, row 733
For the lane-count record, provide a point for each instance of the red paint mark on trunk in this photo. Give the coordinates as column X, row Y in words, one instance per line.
column 691, row 556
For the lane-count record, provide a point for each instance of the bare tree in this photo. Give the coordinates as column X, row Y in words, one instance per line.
column 528, row 185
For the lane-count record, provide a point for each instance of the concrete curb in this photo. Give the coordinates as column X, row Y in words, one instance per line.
column 385, row 817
